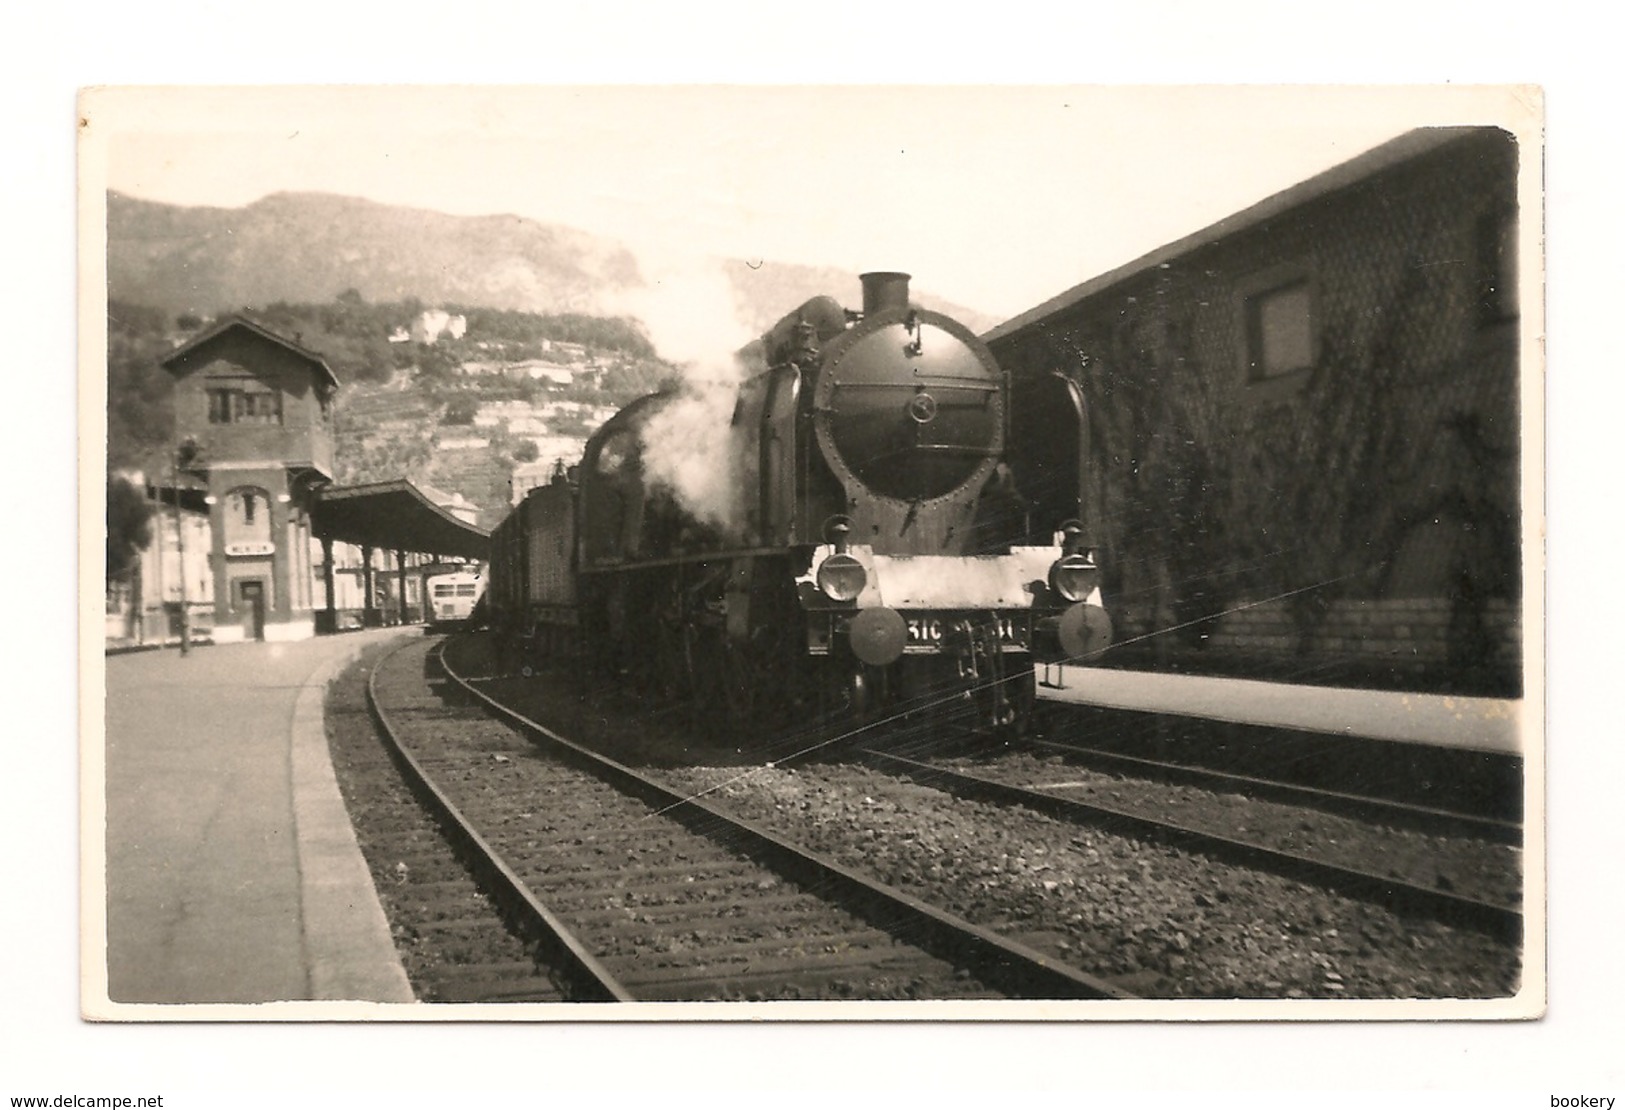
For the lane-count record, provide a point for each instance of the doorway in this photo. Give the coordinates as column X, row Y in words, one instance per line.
column 251, row 604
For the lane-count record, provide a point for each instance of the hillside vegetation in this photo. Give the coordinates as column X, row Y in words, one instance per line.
column 408, row 408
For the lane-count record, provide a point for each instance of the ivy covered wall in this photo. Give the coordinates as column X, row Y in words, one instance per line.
column 1385, row 468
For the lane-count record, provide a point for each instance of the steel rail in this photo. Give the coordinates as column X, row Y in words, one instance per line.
column 1001, row 963
column 1499, row 921
column 1363, row 806
column 588, row 979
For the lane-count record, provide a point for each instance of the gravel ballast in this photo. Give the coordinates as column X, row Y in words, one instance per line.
column 1161, row 922
column 1474, row 868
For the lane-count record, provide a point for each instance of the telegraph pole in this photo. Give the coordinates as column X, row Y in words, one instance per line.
column 180, row 540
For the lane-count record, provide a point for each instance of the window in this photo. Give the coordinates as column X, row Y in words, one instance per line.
column 241, row 406
column 247, row 516
column 1280, row 331
column 261, row 408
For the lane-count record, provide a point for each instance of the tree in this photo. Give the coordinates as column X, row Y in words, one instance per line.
column 437, row 361
column 140, row 412
column 526, row 452
column 461, row 410
column 129, row 525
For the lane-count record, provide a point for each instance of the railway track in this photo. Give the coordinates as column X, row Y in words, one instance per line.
column 625, row 889
column 456, row 943
column 1431, row 819
column 1157, row 819
column 1435, row 763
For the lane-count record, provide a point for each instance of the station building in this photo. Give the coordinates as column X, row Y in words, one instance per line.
column 255, row 413
column 252, row 537
column 1303, row 422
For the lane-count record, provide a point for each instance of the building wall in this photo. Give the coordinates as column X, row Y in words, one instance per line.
column 145, row 608
column 1406, row 635
column 255, row 470
column 1385, row 469
column 432, row 323
column 350, row 599
column 241, row 358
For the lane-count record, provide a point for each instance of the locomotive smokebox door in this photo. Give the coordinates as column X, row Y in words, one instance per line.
column 909, row 403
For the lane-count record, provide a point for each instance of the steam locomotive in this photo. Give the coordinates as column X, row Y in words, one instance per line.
column 849, row 531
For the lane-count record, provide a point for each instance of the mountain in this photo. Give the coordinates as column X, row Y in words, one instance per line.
column 310, row 247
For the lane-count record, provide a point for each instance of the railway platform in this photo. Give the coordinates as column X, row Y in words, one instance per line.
column 232, row 870
column 1465, row 723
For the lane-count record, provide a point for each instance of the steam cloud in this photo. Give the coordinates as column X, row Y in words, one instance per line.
column 689, row 447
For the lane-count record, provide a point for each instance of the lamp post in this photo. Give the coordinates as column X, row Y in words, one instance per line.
column 186, row 454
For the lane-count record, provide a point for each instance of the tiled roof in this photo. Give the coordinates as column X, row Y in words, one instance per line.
column 231, row 322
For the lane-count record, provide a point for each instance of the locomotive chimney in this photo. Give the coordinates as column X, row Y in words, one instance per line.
column 882, row 291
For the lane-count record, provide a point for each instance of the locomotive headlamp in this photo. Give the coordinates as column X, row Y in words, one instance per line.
column 1071, row 537
column 1074, row 577
column 836, row 529
column 842, row 578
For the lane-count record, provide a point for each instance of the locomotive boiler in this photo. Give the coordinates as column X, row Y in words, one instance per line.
column 844, row 532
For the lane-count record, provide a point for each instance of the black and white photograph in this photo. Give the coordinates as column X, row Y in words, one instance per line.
column 852, row 554
column 815, row 553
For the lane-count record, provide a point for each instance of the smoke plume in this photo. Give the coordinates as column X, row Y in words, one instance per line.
column 690, row 447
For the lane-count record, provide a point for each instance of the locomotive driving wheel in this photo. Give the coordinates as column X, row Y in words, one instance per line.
column 673, row 649
column 742, row 694
column 756, row 683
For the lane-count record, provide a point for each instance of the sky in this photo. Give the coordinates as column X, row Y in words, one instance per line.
column 995, row 197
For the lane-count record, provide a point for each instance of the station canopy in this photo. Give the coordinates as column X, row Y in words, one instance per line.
column 395, row 515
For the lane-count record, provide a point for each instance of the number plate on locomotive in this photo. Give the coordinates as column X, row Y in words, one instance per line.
column 928, row 632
